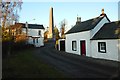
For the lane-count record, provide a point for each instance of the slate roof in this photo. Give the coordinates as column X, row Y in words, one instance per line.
column 33, row 26
column 86, row 25
column 108, row 31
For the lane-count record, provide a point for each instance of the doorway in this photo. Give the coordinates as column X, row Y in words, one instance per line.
column 83, row 47
column 62, row 45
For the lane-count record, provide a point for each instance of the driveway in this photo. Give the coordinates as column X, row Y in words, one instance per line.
column 76, row 66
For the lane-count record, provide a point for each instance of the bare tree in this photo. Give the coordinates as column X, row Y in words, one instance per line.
column 9, row 11
column 8, row 15
column 63, row 24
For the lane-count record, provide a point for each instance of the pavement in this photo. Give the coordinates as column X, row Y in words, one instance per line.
column 77, row 66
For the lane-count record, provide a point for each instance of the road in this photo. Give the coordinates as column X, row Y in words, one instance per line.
column 76, row 66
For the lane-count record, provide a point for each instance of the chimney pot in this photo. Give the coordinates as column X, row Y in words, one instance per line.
column 26, row 25
column 78, row 20
column 103, row 13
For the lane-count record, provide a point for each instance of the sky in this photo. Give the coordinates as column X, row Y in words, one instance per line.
column 65, row 10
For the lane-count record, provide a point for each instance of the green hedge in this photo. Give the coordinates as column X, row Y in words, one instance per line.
column 8, row 47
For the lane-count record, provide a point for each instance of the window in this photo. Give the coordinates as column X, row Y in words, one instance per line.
column 37, row 40
column 102, row 47
column 33, row 40
column 74, row 45
column 39, row 33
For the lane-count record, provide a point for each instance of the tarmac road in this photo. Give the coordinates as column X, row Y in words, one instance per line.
column 76, row 66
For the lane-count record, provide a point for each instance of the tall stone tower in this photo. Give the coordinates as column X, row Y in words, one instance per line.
column 51, row 24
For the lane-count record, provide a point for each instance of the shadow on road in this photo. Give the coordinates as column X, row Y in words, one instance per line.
column 76, row 66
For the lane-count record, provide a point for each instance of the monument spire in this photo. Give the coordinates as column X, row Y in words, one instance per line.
column 51, row 23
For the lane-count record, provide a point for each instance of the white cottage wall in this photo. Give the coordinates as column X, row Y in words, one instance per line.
column 111, row 49
column 98, row 26
column 40, row 42
column 119, row 49
column 42, row 32
column 85, row 35
column 30, row 40
column 34, row 32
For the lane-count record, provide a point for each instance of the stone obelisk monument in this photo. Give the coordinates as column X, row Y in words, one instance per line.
column 51, row 24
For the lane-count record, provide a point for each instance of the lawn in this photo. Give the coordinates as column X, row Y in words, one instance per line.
column 22, row 64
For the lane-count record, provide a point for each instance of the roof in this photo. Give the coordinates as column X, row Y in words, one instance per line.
column 33, row 26
column 86, row 25
column 108, row 31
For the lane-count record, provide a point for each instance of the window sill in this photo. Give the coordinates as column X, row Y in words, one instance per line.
column 74, row 50
column 102, row 51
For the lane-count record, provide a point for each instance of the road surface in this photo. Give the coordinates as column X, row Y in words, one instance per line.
column 76, row 66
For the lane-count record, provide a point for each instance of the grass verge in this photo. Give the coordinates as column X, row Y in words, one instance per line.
column 23, row 64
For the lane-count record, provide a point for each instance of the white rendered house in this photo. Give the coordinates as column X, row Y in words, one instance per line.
column 78, row 37
column 35, row 33
column 106, row 42
column 93, row 36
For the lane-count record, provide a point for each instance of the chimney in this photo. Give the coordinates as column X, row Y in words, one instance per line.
column 78, row 20
column 103, row 11
column 26, row 25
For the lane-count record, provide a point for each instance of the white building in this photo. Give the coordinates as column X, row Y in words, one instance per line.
column 84, row 38
column 106, row 42
column 35, row 34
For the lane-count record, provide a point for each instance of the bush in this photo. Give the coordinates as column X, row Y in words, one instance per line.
column 6, row 47
column 11, row 43
column 18, row 46
column 9, row 47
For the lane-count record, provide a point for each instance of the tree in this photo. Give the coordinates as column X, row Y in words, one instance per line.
column 63, row 24
column 8, row 15
column 10, row 11
column 46, row 36
column 56, row 33
column 56, row 36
